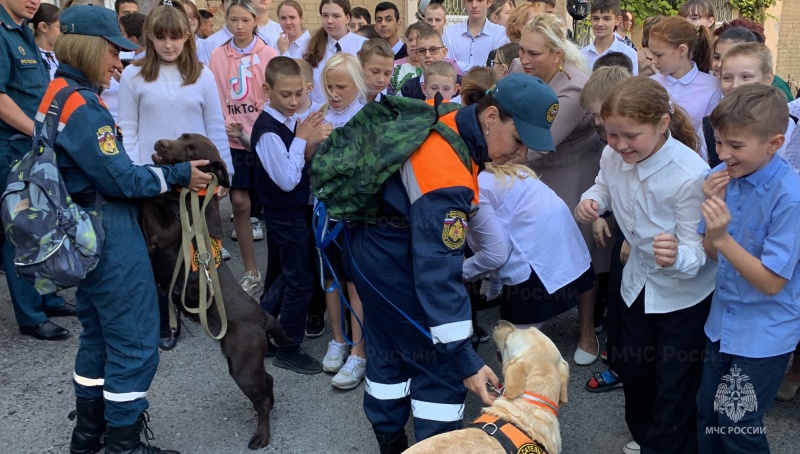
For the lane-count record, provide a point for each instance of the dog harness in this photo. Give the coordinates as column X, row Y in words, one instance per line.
column 511, row 438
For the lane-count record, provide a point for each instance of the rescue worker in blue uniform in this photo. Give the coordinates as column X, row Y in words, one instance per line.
column 413, row 258
column 116, row 303
column 24, row 76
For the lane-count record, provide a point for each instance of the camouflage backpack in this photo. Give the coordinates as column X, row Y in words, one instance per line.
column 348, row 170
column 57, row 243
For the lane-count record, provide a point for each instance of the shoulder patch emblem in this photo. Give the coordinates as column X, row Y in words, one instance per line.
column 454, row 232
column 107, row 141
column 21, row 50
column 551, row 112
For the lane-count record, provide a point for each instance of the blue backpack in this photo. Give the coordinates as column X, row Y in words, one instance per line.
column 57, row 242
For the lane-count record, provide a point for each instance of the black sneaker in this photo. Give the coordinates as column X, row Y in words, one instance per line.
column 297, row 361
column 483, row 335
column 315, row 325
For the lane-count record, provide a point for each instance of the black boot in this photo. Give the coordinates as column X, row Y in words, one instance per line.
column 88, row 434
column 392, row 442
column 126, row 440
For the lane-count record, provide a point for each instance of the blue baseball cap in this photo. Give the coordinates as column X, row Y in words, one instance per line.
column 532, row 104
column 93, row 20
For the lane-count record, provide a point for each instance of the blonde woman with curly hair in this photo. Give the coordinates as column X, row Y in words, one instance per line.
column 545, row 52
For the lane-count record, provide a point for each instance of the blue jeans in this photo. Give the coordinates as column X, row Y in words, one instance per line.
column 727, row 420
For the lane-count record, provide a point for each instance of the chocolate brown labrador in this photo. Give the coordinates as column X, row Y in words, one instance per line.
column 245, row 342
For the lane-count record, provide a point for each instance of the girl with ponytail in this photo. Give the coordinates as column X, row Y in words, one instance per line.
column 652, row 180
column 682, row 53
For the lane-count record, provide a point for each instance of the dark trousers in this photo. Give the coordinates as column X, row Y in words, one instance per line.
column 291, row 239
column 614, row 309
column 274, row 273
column 735, row 394
column 661, row 363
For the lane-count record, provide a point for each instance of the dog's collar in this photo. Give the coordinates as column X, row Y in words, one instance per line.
column 511, row 438
column 200, row 193
column 540, row 401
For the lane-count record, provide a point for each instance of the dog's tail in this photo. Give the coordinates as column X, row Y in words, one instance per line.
column 273, row 329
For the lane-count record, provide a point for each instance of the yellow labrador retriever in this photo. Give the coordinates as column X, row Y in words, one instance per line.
column 525, row 419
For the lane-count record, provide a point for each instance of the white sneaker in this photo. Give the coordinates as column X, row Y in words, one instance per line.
column 225, row 254
column 351, row 374
column 258, row 232
column 334, row 358
column 252, row 283
column 631, row 448
column 233, row 235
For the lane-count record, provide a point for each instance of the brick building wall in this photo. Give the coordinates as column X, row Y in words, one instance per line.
column 787, row 62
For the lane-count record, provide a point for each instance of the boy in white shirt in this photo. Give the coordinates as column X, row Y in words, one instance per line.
column 605, row 16
column 436, row 15
column 387, row 24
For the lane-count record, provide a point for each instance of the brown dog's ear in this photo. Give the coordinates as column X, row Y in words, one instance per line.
column 219, row 169
column 501, row 331
column 563, row 375
column 515, row 375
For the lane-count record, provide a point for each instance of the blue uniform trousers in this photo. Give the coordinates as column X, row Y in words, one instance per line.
column 405, row 373
column 736, row 427
column 118, row 308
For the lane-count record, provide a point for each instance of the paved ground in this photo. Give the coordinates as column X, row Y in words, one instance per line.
column 197, row 408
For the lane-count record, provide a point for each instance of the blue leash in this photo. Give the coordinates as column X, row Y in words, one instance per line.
column 323, row 237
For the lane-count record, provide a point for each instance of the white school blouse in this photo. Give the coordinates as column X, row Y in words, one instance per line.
column 524, row 225
column 298, row 47
column 660, row 194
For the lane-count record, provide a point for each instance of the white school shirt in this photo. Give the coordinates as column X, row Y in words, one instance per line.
column 200, row 48
column 298, row 47
column 110, row 97
column 50, row 57
column 339, row 119
column 313, row 108
column 792, row 151
column 399, row 45
column 523, row 225
column 270, row 33
column 590, row 53
column 285, row 167
column 660, row 194
column 351, row 44
column 468, row 50
column 698, row 93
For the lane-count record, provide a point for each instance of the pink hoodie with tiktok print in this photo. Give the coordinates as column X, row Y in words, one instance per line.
column 240, row 80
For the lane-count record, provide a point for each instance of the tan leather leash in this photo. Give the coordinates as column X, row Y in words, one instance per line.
column 210, row 291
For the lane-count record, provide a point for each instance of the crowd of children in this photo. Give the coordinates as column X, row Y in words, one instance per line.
column 677, row 158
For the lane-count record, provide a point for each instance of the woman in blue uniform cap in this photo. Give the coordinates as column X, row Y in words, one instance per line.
column 117, row 303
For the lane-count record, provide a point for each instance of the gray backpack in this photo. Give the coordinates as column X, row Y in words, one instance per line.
column 57, row 242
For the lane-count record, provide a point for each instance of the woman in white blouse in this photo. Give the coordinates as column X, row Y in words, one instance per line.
column 528, row 245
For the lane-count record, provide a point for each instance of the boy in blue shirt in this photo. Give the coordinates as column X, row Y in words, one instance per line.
column 751, row 222
column 281, row 143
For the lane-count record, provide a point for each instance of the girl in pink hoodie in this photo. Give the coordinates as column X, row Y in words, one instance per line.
column 238, row 66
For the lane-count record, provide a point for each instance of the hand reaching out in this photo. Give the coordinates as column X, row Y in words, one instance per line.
column 600, row 231
column 586, row 211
